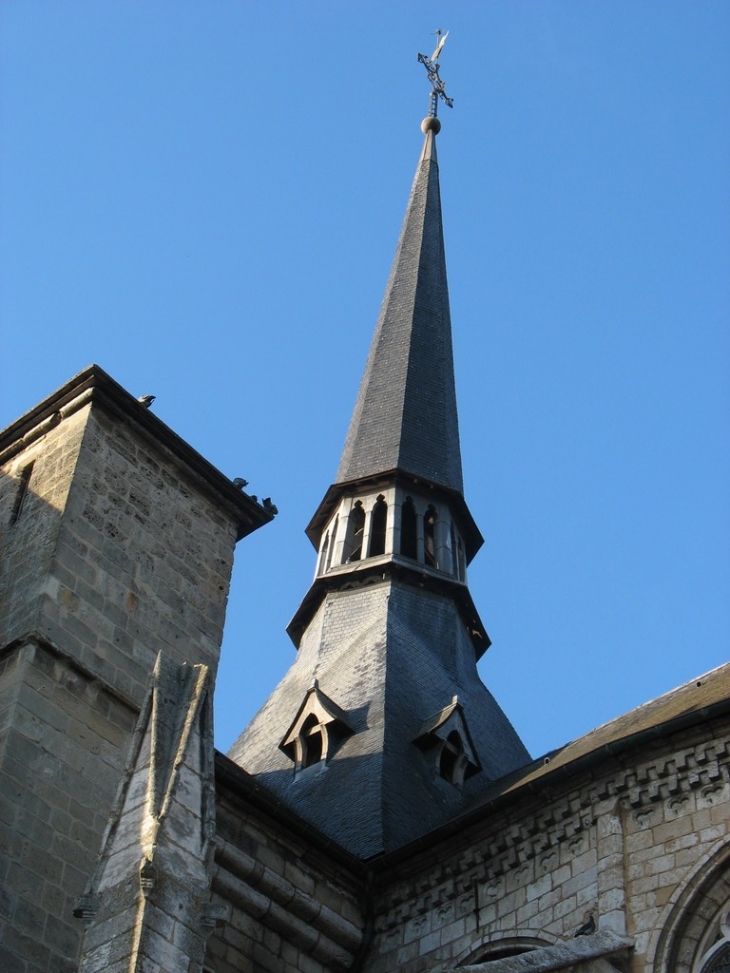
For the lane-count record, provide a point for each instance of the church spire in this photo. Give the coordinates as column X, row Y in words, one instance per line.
column 405, row 415
column 382, row 730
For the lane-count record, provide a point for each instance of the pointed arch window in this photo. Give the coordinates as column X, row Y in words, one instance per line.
column 429, row 536
column 331, row 551
column 409, row 530
column 460, row 561
column 719, row 962
column 354, row 536
column 310, row 743
column 453, row 760
column 378, row 522
column 323, row 559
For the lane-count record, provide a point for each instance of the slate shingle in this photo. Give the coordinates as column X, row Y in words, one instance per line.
column 405, row 415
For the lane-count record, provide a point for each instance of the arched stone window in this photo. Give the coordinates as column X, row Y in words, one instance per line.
column 409, row 530
column 695, row 936
column 353, row 538
column 504, row 948
column 719, row 961
column 378, row 523
column 429, row 536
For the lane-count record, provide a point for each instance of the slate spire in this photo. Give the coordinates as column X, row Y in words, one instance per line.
column 382, row 730
column 405, row 415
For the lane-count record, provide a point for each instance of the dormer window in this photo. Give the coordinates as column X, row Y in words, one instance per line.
column 446, row 740
column 310, row 743
column 453, row 761
column 318, row 729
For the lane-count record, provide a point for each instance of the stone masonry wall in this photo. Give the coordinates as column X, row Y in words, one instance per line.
column 63, row 742
column 28, row 545
column 621, row 847
column 291, row 909
column 118, row 552
column 143, row 562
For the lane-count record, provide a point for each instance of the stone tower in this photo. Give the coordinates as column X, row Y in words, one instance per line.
column 382, row 728
column 117, row 544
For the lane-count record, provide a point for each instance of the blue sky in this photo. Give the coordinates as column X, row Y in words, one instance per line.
column 204, row 199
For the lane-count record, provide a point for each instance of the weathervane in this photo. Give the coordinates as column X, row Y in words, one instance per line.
column 431, row 65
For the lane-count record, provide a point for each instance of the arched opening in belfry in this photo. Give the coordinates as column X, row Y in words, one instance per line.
column 409, row 530
column 429, row 536
column 331, row 550
column 322, row 567
column 355, row 531
column 378, row 522
column 461, row 562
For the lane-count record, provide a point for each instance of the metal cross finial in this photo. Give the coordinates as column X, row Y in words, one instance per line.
column 432, row 69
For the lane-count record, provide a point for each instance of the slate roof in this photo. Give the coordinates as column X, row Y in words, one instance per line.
column 405, row 415
column 390, row 655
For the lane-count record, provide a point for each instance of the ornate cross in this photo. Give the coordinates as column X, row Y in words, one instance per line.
column 431, row 65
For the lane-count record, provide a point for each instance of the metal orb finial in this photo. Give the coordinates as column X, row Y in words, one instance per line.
column 438, row 89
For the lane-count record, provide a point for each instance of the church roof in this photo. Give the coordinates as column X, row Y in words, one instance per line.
column 405, row 415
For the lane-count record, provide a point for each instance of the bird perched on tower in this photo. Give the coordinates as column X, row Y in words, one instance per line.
column 588, row 927
column 146, row 400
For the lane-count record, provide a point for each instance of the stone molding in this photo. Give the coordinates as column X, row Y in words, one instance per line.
column 507, row 846
column 578, row 954
column 41, row 643
column 258, row 890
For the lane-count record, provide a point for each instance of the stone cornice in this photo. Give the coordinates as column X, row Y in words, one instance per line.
column 93, row 385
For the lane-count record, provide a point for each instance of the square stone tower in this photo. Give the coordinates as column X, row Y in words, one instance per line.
column 117, row 543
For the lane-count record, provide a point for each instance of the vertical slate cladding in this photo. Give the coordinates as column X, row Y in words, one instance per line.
column 405, row 415
column 344, row 649
column 390, row 656
column 431, row 660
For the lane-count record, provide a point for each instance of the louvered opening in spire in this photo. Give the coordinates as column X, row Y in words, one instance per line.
column 405, row 415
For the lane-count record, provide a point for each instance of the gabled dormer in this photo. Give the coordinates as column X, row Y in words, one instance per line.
column 446, row 740
column 319, row 726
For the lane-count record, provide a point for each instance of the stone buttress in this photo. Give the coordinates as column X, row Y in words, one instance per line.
column 148, row 904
